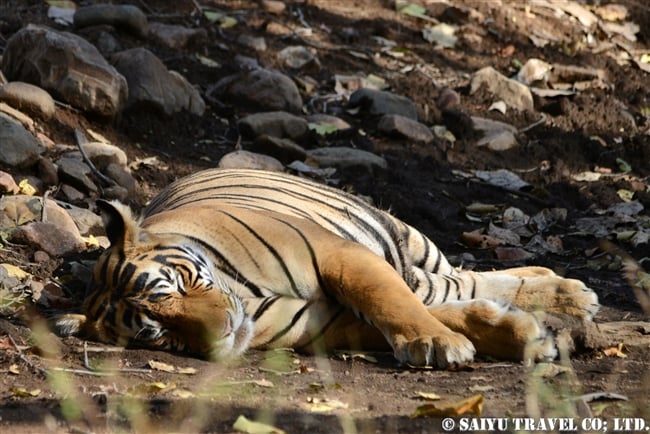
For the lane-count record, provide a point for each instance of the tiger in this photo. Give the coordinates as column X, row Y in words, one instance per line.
column 227, row 260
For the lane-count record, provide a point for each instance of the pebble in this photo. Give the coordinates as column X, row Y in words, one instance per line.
column 29, row 98
column 49, row 237
column 127, row 17
column 264, row 89
column 19, row 147
column 257, row 43
column 379, row 102
column 152, row 85
column 77, row 173
column 277, row 124
column 515, row 94
column 406, row 128
column 8, row 184
column 285, row 150
column 250, row 160
column 176, row 37
column 344, row 157
column 298, row 57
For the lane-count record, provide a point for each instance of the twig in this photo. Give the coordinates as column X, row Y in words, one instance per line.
column 80, row 139
column 90, row 368
column 24, row 358
column 534, row 124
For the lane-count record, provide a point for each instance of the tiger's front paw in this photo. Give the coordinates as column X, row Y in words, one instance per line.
column 439, row 351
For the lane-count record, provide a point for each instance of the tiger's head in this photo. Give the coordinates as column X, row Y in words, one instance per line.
column 158, row 291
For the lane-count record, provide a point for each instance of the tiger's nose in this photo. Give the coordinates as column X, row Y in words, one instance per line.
column 227, row 330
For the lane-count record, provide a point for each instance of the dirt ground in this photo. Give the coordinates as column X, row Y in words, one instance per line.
column 45, row 385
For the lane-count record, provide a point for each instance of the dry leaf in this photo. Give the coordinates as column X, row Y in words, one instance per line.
column 160, row 366
column 21, row 392
column 429, row 396
column 616, row 351
column 146, row 389
column 14, row 271
column 26, row 188
column 13, row 369
column 245, row 425
column 472, row 405
column 317, row 405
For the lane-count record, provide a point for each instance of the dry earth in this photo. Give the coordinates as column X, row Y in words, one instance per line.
column 368, row 393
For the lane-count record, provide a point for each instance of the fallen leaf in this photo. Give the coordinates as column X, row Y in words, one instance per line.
column 26, row 188
column 324, row 405
column 441, row 34
column 616, row 351
column 502, row 178
column 242, row 424
column 13, row 369
column 481, row 208
column 21, row 392
column 150, row 388
column 550, row 370
column 14, row 271
column 429, row 396
column 480, row 240
column 183, row 394
column 160, row 366
column 478, row 388
column 472, row 405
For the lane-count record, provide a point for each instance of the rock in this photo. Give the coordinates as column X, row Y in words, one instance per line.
column 116, row 192
column 66, row 65
column 257, row 43
column 298, row 57
column 29, row 98
column 19, row 148
column 497, row 136
column 515, row 94
column 276, row 124
column 86, row 221
column 47, row 172
column 127, row 17
column 285, row 150
column 122, row 177
column 249, row 160
column 21, row 117
column 107, row 44
column 8, row 184
column 71, row 194
column 264, row 89
column 405, row 127
column 379, row 102
column 152, row 85
column 49, row 237
column 101, row 154
column 344, row 157
column 77, row 173
column 273, row 6
column 176, row 37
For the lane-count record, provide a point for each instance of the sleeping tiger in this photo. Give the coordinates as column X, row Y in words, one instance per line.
column 226, row 260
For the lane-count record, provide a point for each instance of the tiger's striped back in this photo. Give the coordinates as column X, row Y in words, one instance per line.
column 346, row 215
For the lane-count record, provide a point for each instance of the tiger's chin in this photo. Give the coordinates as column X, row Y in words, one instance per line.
column 235, row 343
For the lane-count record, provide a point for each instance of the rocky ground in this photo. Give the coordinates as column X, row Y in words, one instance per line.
column 511, row 133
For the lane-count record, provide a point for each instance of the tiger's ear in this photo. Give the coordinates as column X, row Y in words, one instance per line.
column 122, row 228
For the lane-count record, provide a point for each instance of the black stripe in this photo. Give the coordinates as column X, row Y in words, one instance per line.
column 429, row 295
column 423, row 260
column 140, row 282
column 310, row 248
column 224, row 265
column 293, row 322
column 273, row 252
column 267, row 303
column 322, row 331
column 444, row 298
column 436, row 267
column 473, row 291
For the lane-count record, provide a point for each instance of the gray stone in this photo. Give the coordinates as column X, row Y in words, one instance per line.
column 174, row 36
column 344, row 157
column 76, row 173
column 29, row 98
column 151, row 84
column 47, row 171
column 298, row 57
column 406, row 128
column 86, row 221
column 66, row 65
column 379, row 102
column 127, row 17
column 285, row 150
column 121, row 175
column 257, row 43
column 107, row 44
column 49, row 237
column 512, row 92
column 116, row 192
column 18, row 147
column 249, row 160
column 264, row 89
column 276, row 124
column 101, row 154
column 8, row 184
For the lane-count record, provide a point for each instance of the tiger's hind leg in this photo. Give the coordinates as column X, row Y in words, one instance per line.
column 529, row 288
column 498, row 330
